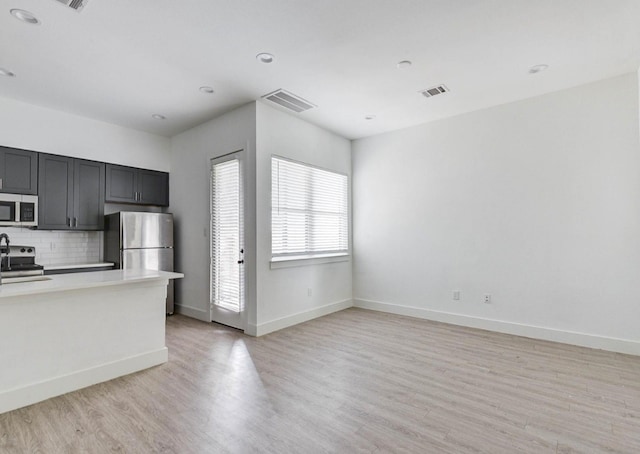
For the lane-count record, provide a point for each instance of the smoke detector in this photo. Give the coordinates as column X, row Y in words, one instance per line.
column 434, row 91
column 289, row 100
column 74, row 4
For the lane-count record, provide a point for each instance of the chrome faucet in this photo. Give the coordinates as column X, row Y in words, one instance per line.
column 5, row 237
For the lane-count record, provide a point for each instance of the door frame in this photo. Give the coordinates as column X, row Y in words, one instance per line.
column 219, row 314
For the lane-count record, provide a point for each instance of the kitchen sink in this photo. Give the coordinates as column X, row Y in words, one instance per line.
column 19, row 280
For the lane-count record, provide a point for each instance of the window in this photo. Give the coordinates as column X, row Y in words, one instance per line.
column 309, row 211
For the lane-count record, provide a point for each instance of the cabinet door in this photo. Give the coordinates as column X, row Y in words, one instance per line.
column 55, row 201
column 18, row 171
column 122, row 184
column 153, row 188
column 88, row 195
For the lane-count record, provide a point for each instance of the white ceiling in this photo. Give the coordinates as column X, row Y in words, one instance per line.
column 122, row 61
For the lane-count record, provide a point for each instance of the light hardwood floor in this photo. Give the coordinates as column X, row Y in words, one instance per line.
column 354, row 381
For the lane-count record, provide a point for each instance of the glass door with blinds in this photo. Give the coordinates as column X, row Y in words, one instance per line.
column 227, row 261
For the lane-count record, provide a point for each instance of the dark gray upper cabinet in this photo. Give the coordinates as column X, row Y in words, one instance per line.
column 55, row 200
column 88, row 196
column 122, row 184
column 71, row 195
column 139, row 186
column 18, row 171
column 153, row 187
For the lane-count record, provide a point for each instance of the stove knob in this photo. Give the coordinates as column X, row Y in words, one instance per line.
column 29, row 250
column 22, row 250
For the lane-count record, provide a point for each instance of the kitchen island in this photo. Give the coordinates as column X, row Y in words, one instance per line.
column 75, row 330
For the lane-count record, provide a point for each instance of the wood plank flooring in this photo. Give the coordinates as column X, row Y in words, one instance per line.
column 353, row 382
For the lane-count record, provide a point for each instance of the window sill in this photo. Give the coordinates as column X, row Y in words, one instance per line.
column 304, row 260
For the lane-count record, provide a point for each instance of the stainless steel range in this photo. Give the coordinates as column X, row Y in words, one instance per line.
column 19, row 262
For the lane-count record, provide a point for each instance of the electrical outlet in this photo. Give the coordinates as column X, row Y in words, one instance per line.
column 487, row 298
column 456, row 295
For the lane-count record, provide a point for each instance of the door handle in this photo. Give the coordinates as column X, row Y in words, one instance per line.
column 240, row 262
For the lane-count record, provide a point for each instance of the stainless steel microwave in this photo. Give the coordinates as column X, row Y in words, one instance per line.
column 18, row 210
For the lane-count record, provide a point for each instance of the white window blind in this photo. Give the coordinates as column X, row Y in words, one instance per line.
column 310, row 214
column 226, row 223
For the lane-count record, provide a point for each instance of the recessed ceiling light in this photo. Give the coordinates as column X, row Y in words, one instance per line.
column 24, row 16
column 538, row 68
column 370, row 117
column 265, row 57
column 7, row 73
column 206, row 89
column 403, row 64
column 158, row 117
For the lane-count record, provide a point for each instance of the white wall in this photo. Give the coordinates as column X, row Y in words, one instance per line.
column 191, row 153
column 274, row 298
column 536, row 203
column 40, row 129
column 283, row 293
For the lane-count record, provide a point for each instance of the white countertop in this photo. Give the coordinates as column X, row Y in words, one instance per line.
column 73, row 281
column 69, row 266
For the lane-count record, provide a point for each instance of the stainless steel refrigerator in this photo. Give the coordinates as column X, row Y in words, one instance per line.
column 135, row 240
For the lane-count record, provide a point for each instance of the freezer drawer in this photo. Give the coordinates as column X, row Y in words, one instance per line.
column 151, row 259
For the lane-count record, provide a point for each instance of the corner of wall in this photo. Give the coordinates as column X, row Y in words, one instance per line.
column 191, row 153
column 282, row 294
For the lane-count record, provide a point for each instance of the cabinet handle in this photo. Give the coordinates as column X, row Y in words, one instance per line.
column 75, row 222
column 69, row 222
column 0, row 183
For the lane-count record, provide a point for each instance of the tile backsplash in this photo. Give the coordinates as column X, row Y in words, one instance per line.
column 59, row 247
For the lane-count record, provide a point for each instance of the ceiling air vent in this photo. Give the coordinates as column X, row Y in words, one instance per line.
column 289, row 100
column 75, row 4
column 434, row 91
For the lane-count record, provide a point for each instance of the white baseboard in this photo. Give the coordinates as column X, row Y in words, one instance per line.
column 37, row 392
column 300, row 317
column 192, row 312
column 535, row 332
